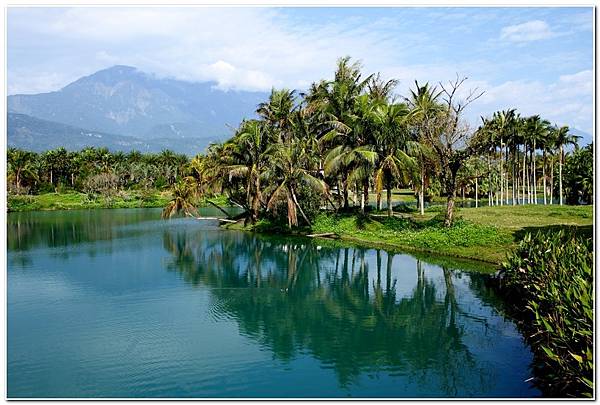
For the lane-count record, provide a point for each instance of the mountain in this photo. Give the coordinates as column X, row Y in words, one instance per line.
column 585, row 137
column 124, row 100
column 34, row 134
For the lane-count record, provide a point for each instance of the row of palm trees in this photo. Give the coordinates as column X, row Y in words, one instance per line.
column 30, row 171
column 352, row 134
column 514, row 143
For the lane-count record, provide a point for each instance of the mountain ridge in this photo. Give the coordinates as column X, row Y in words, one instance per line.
column 38, row 135
column 124, row 100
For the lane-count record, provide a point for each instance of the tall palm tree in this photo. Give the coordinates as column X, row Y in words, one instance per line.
column 424, row 110
column 392, row 139
column 289, row 169
column 562, row 139
column 20, row 162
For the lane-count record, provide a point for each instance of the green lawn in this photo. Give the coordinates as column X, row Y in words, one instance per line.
column 75, row 200
column 485, row 233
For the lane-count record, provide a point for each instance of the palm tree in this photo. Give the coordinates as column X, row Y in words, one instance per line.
column 183, row 192
column 424, row 110
column 392, row 139
column 250, row 158
column 277, row 112
column 288, row 170
column 562, row 139
column 20, row 162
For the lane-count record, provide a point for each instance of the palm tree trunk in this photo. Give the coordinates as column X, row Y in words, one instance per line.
column 345, row 192
column 534, row 177
column 299, row 208
column 476, row 193
column 524, row 167
column 490, row 200
column 514, row 180
column 551, row 181
column 544, row 174
column 422, row 194
column 560, row 184
column 389, row 200
column 501, row 174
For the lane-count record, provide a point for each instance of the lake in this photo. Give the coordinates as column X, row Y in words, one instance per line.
column 121, row 304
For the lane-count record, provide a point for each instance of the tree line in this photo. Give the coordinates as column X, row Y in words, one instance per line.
column 92, row 170
column 339, row 144
column 354, row 135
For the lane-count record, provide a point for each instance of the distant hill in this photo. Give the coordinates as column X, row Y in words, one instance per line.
column 38, row 135
column 124, row 100
column 585, row 137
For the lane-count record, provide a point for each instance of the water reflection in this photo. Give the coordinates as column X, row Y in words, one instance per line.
column 364, row 322
column 294, row 297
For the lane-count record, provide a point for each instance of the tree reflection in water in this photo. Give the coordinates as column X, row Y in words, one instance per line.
column 297, row 298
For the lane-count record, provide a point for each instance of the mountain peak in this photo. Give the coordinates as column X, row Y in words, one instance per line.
column 109, row 76
column 119, row 69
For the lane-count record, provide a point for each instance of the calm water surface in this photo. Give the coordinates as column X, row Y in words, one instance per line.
column 118, row 303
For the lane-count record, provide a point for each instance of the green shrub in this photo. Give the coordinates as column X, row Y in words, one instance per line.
column 548, row 282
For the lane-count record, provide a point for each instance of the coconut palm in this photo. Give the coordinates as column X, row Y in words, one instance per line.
column 290, row 168
column 183, row 193
column 562, row 138
column 20, row 163
column 392, row 137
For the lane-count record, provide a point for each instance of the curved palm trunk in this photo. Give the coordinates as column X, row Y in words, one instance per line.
column 256, row 200
column 299, row 208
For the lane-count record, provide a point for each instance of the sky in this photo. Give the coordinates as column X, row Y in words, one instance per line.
column 538, row 60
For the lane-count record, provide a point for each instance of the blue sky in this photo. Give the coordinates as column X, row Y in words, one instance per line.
column 538, row 60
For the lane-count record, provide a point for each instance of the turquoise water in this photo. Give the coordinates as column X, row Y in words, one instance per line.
column 118, row 303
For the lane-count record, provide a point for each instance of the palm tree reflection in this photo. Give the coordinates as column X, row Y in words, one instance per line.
column 295, row 298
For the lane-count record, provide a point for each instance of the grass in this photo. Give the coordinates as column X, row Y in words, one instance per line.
column 484, row 234
column 75, row 200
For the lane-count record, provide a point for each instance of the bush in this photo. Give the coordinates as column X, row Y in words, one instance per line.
column 548, row 282
column 104, row 184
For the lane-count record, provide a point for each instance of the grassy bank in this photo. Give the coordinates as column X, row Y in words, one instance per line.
column 485, row 234
column 75, row 200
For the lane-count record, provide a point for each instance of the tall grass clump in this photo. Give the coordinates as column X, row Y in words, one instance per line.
column 548, row 283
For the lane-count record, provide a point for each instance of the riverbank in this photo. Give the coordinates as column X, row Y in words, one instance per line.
column 484, row 234
column 76, row 201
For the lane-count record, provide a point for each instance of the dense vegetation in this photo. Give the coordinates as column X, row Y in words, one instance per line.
column 91, row 178
column 548, row 282
column 352, row 135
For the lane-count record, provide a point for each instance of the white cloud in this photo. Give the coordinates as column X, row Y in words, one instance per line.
column 530, row 31
column 568, row 101
column 257, row 48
